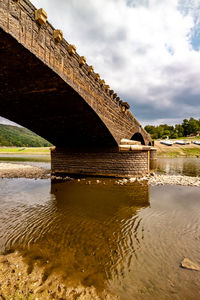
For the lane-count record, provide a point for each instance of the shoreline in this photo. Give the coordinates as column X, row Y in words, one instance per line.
column 163, row 151
column 8, row 170
column 156, row 180
column 25, row 150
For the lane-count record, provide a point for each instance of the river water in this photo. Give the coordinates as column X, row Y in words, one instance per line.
column 128, row 239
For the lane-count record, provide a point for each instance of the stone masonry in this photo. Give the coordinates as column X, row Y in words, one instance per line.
column 108, row 163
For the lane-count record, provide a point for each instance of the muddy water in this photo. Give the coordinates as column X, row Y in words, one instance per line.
column 183, row 166
column 129, row 239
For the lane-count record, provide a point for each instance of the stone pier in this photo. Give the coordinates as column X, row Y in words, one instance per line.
column 109, row 162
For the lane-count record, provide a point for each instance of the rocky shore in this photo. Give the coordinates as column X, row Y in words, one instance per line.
column 18, row 281
column 8, row 170
column 155, row 179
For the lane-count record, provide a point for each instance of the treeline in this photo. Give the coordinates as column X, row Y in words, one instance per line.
column 20, row 137
column 187, row 128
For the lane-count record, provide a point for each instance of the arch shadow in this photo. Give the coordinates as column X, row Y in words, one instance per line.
column 138, row 137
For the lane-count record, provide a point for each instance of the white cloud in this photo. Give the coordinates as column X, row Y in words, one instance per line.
column 7, row 122
column 141, row 48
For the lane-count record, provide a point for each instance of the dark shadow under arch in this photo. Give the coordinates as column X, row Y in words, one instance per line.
column 37, row 98
column 138, row 137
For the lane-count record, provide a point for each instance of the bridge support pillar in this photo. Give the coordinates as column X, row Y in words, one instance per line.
column 153, row 158
column 104, row 162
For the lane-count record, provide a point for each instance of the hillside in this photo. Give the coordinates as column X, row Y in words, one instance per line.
column 20, row 137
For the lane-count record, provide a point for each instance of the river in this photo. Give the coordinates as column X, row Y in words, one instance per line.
column 129, row 239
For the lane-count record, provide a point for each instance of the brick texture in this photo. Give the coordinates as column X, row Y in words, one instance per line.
column 109, row 163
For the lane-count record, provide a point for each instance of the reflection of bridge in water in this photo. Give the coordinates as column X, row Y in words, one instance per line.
column 47, row 87
column 88, row 232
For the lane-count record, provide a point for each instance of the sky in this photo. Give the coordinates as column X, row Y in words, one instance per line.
column 148, row 51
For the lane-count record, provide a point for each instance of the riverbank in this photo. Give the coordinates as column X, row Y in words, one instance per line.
column 176, row 150
column 20, row 281
column 154, row 179
column 25, row 150
column 8, row 170
column 190, row 150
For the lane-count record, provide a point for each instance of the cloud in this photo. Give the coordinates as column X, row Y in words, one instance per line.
column 146, row 50
column 7, row 122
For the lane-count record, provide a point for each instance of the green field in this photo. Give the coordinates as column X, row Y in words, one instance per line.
column 24, row 150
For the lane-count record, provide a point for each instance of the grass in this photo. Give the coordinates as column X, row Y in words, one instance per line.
column 196, row 138
column 169, row 154
column 23, row 150
column 175, row 150
column 192, row 152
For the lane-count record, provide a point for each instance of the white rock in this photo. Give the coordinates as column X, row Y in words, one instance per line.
column 190, row 265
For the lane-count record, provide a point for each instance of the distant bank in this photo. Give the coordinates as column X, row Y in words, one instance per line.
column 190, row 150
column 19, row 140
column 25, row 150
column 20, row 137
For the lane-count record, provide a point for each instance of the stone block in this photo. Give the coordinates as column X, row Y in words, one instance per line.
column 58, row 35
column 129, row 142
column 90, row 69
column 124, row 147
column 3, row 16
column 102, row 82
column 82, row 61
column 14, row 27
column 72, row 49
column 40, row 16
column 96, row 76
column 107, row 87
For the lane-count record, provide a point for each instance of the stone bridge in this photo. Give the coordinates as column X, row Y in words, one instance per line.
column 47, row 87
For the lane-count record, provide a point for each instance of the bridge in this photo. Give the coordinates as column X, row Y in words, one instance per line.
column 48, row 88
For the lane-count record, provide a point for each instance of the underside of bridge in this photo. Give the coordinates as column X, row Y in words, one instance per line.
column 35, row 97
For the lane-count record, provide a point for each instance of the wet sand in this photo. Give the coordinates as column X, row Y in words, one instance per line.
column 18, row 281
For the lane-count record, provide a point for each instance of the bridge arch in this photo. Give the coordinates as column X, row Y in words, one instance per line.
column 46, row 89
column 138, row 137
column 35, row 97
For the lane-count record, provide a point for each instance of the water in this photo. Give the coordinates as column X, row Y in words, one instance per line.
column 128, row 239
column 182, row 166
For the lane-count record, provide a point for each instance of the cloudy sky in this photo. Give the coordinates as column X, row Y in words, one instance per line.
column 148, row 51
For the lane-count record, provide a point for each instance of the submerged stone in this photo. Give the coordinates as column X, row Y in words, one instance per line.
column 190, row 265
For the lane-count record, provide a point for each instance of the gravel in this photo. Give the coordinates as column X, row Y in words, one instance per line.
column 154, row 179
